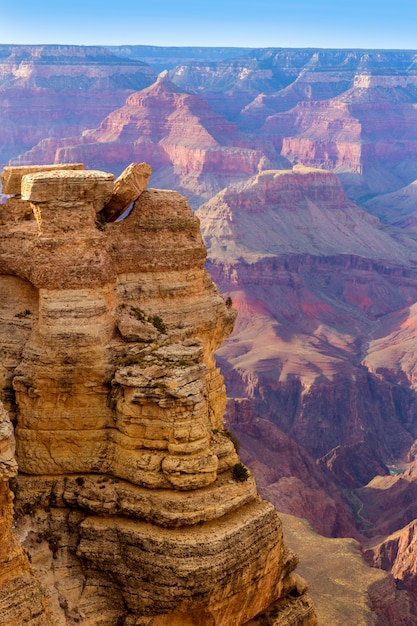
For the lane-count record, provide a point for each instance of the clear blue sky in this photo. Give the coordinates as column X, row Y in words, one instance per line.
column 254, row 23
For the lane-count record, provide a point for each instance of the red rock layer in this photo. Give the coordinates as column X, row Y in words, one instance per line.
column 368, row 130
column 59, row 91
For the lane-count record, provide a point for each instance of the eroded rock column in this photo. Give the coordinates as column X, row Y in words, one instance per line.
column 62, row 381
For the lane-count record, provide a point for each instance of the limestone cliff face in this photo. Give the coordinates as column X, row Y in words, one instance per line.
column 22, row 597
column 126, row 498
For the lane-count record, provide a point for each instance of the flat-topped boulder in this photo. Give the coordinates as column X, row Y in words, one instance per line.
column 89, row 186
column 11, row 177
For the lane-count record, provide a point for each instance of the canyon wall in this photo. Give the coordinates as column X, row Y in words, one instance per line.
column 58, row 91
column 312, row 275
column 350, row 111
column 321, row 365
column 190, row 148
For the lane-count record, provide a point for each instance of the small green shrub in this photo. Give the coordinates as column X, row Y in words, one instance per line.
column 138, row 313
column 101, row 221
column 229, row 302
column 158, row 323
column 240, row 473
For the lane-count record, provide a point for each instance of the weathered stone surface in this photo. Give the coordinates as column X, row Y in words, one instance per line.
column 127, row 188
column 241, row 578
column 104, row 495
column 326, row 338
column 8, row 464
column 67, row 185
column 22, row 598
column 11, row 177
column 127, row 500
column 396, row 553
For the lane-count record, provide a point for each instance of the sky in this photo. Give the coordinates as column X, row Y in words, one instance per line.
column 244, row 23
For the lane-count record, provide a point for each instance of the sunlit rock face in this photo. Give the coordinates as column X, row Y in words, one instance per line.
column 321, row 369
column 207, row 124
column 22, row 596
column 321, row 366
column 127, row 500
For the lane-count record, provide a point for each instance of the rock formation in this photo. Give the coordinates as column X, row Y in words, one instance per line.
column 352, row 111
column 130, row 498
column 22, row 597
column 321, row 368
column 326, row 418
column 211, row 122
column 127, row 188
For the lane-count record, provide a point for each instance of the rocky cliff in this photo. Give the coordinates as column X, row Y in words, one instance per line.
column 321, row 365
column 130, row 500
column 350, row 111
column 321, row 368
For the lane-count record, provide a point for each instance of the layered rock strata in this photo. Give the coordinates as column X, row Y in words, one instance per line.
column 59, row 91
column 22, row 597
column 127, row 499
